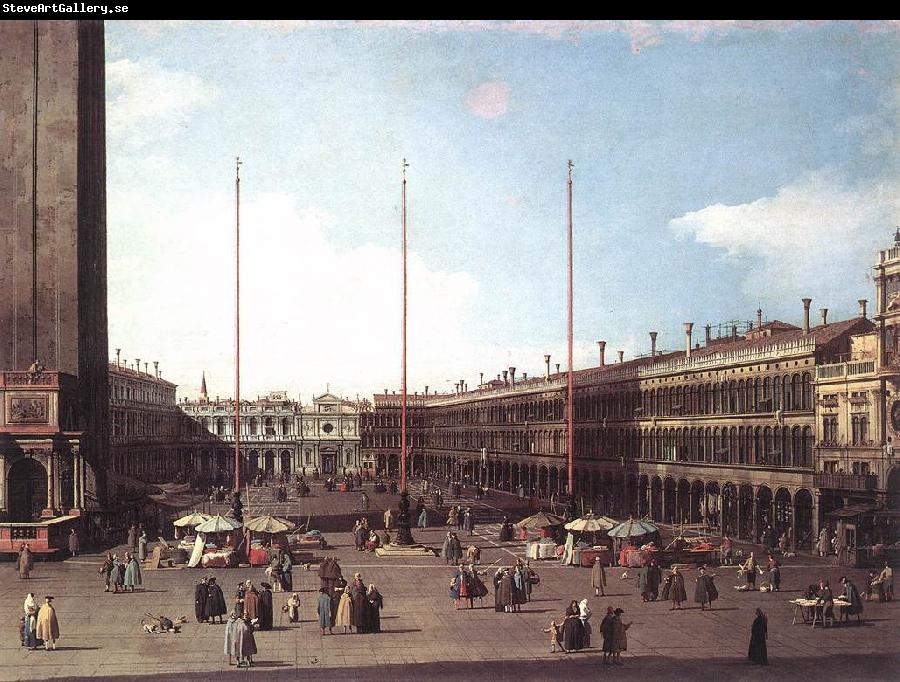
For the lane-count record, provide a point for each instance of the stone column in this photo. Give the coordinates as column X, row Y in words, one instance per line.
column 740, row 511
column 50, row 511
column 677, row 504
column 2, row 486
column 651, row 497
column 793, row 542
column 76, row 483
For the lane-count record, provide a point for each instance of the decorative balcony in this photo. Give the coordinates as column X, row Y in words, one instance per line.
column 859, row 483
column 843, row 370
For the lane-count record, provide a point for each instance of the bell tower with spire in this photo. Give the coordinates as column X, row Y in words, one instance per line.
column 204, row 397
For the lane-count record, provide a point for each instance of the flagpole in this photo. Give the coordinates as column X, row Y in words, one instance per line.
column 237, row 327
column 403, row 350
column 571, row 434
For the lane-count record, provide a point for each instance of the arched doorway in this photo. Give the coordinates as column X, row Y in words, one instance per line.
column 712, row 506
column 27, row 490
column 656, row 499
column 745, row 518
column 669, row 511
column 783, row 512
column 893, row 489
column 393, row 464
column 286, row 462
column 683, row 511
column 763, row 512
column 696, row 509
column 269, row 463
column 803, row 519
column 729, row 517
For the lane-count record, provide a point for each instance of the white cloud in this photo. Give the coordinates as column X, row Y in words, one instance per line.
column 146, row 101
column 489, row 99
column 816, row 234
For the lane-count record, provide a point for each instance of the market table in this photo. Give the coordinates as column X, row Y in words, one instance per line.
column 814, row 608
column 541, row 550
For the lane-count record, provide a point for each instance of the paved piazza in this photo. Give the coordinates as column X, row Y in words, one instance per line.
column 424, row 637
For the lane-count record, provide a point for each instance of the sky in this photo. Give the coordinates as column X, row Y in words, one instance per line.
column 719, row 167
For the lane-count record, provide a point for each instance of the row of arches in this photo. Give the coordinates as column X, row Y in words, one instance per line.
column 738, row 509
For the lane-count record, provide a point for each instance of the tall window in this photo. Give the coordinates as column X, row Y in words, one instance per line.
column 829, row 428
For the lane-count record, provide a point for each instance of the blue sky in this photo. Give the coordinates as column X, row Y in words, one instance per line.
column 718, row 167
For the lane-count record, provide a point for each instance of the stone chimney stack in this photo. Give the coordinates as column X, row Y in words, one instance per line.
column 557, row 368
column 145, row 368
column 137, row 364
column 602, row 346
column 118, row 357
column 524, row 376
column 481, row 378
column 758, row 318
column 806, row 304
column 824, row 313
column 547, row 363
column 426, row 389
column 512, row 375
column 621, row 355
column 156, row 368
column 688, row 328
column 653, row 345
column 734, row 332
column 862, row 307
column 708, row 329
column 505, row 378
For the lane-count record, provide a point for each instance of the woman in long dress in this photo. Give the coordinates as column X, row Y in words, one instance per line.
column 246, row 642
column 345, row 612
column 758, row 634
column 231, row 643
column 132, row 572
column 287, row 572
column 142, row 547
column 572, row 629
column 26, row 562
column 373, row 609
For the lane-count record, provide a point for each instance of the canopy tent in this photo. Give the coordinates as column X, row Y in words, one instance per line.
column 591, row 524
column 632, row 529
column 269, row 524
column 191, row 520
column 541, row 520
column 219, row 524
column 176, row 500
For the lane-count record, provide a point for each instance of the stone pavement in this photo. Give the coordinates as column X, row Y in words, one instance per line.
column 425, row 637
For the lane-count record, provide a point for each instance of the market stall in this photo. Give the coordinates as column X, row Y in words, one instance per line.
column 274, row 532
column 216, row 543
column 593, row 543
column 637, row 544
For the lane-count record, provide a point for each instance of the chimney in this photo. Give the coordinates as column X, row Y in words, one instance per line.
column 426, row 389
column 862, row 307
column 621, row 355
column 758, row 318
column 708, row 334
column 125, row 363
column 524, row 376
column 118, row 354
column 547, row 362
column 465, row 387
column 602, row 345
column 505, row 378
column 653, row 345
column 145, row 368
column 137, row 364
column 806, row 304
column 557, row 368
column 734, row 332
column 824, row 313
column 480, row 378
column 156, row 368
column 512, row 374
column 385, row 391
column 688, row 328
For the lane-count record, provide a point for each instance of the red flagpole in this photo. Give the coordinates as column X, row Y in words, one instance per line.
column 571, row 434
column 403, row 351
column 237, row 325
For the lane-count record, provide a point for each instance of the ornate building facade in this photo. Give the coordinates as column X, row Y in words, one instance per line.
column 278, row 435
column 777, row 426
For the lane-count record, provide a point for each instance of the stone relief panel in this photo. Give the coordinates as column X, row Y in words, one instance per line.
column 28, row 409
